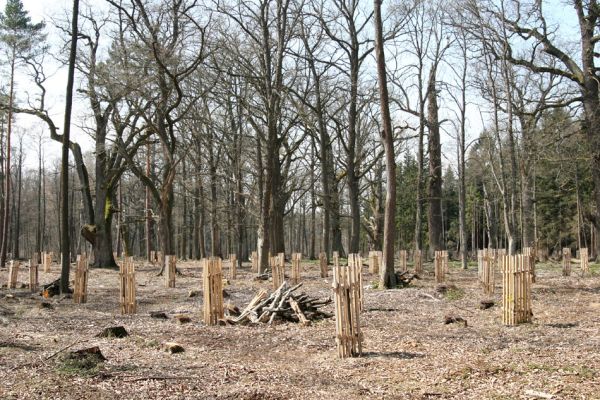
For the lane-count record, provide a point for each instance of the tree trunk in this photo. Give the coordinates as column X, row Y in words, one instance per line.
column 6, row 217
column 387, row 273
column 436, row 241
column 17, row 234
column 65, row 237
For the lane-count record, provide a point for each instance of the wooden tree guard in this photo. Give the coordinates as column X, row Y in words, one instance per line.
column 81, row 279
column 323, row 264
column 440, row 266
column 566, row 261
column 346, row 290
column 530, row 252
column 296, row 259
column 375, row 258
column 486, row 271
column 516, row 289
column 212, row 278
column 46, row 261
column 585, row 262
column 278, row 270
column 336, row 258
column 13, row 273
column 254, row 260
column 418, row 261
column 160, row 258
column 170, row 271
column 33, row 275
column 403, row 261
column 233, row 266
column 153, row 258
column 127, row 293
column 480, row 256
column 355, row 261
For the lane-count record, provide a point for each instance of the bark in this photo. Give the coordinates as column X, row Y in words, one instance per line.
column 6, row 217
column 17, row 230
column 65, row 237
column 387, row 274
column 147, row 206
column 435, row 231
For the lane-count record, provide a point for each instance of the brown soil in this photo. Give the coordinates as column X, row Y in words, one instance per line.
column 409, row 352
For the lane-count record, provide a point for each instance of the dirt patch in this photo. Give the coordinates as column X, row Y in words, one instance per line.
column 410, row 352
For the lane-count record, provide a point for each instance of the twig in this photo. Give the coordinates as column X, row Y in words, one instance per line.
column 154, row 378
column 63, row 349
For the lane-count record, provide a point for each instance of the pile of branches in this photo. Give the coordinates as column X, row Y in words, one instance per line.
column 282, row 305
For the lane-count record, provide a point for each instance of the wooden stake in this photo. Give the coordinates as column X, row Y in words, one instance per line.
column 346, row 290
column 566, row 261
column 323, row 265
column 296, row 260
column 403, row 261
column 355, row 262
column 530, row 252
column 585, row 262
column 212, row 278
column 127, row 293
column 13, row 273
column 170, row 270
column 486, row 271
column 440, row 266
column 254, row 260
column 516, row 289
column 33, row 275
column 46, row 261
column 418, row 261
column 81, row 279
column 233, row 266
column 374, row 261
column 278, row 270
column 336, row 258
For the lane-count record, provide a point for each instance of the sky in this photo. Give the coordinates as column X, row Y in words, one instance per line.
column 557, row 10
column 30, row 126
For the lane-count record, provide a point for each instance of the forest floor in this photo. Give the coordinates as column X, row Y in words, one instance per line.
column 409, row 351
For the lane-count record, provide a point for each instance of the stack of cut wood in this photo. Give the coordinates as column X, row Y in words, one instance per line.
column 283, row 305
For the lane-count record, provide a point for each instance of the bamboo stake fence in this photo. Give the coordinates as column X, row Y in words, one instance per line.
column 418, row 262
column 347, row 311
column 127, row 292
column 254, row 261
column 355, row 261
column 323, row 264
column 278, row 270
column 403, row 256
column 566, row 261
column 46, row 261
column 440, row 266
column 296, row 260
column 213, row 290
column 233, row 266
column 530, row 252
column 13, row 274
column 585, row 262
column 33, row 275
column 170, row 270
column 81, row 280
column 486, row 271
column 375, row 259
column 516, row 289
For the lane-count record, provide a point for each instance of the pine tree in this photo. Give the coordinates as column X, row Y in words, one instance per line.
column 20, row 39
